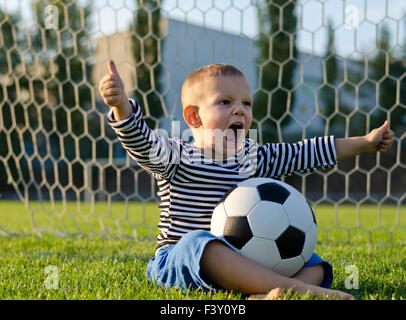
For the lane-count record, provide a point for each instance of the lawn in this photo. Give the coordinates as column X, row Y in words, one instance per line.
column 102, row 267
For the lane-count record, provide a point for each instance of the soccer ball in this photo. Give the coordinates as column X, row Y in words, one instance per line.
column 269, row 222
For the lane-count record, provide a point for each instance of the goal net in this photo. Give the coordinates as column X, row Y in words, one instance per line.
column 314, row 67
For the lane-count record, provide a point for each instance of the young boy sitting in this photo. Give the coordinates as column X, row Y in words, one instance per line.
column 193, row 177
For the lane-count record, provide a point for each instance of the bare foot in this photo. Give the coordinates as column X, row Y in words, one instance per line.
column 327, row 293
column 272, row 295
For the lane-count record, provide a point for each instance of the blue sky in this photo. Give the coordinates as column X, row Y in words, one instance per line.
column 240, row 17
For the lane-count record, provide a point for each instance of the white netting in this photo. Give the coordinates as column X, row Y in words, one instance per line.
column 315, row 68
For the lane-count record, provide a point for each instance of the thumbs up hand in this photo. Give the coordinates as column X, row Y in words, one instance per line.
column 111, row 88
column 380, row 139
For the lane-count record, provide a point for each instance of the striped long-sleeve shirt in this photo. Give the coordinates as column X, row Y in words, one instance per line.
column 190, row 185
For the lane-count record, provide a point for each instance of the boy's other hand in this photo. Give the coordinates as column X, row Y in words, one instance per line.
column 111, row 88
column 380, row 139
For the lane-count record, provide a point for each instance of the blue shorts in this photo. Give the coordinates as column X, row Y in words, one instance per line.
column 178, row 265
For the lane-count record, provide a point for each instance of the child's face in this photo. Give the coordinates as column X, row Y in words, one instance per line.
column 225, row 104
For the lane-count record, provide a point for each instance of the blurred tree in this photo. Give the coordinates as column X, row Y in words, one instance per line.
column 330, row 57
column 147, row 55
column 328, row 93
column 8, row 39
column 9, row 60
column 63, row 46
column 65, row 50
column 385, row 71
column 277, row 45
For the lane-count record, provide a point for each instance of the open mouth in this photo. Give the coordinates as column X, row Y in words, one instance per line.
column 234, row 132
column 235, row 127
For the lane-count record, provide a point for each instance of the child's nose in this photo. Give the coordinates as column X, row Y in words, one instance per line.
column 239, row 108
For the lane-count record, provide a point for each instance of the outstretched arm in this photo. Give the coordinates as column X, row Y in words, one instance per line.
column 280, row 159
column 378, row 140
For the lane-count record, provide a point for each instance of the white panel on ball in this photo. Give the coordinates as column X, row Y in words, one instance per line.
column 288, row 267
column 254, row 182
column 240, row 201
column 268, row 220
column 255, row 249
column 218, row 220
column 299, row 213
column 310, row 242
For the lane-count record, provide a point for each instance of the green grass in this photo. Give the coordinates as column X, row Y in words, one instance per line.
column 95, row 267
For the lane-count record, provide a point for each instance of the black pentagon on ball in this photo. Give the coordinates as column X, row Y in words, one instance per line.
column 290, row 242
column 273, row 192
column 237, row 231
column 311, row 209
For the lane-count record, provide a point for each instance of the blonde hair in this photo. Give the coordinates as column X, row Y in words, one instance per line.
column 212, row 70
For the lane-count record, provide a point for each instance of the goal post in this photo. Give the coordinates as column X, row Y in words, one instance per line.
column 324, row 68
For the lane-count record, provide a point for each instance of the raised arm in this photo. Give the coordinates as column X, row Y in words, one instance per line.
column 156, row 154
column 378, row 140
column 112, row 91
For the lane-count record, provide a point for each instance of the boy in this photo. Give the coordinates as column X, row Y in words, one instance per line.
column 192, row 178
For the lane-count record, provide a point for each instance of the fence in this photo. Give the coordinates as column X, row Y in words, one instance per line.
column 314, row 67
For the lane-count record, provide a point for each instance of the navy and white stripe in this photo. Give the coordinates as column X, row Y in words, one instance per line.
column 190, row 185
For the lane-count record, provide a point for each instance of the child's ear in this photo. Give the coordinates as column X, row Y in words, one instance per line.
column 191, row 116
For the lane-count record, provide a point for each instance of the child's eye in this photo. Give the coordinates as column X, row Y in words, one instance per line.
column 225, row 102
column 247, row 103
